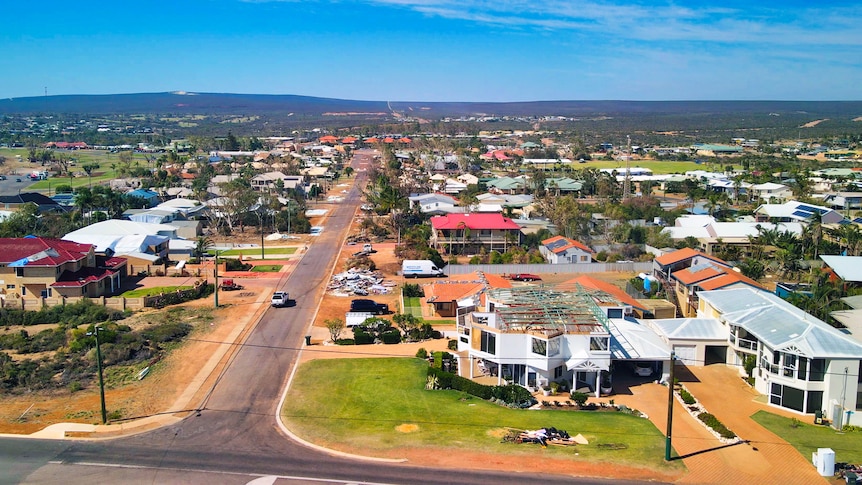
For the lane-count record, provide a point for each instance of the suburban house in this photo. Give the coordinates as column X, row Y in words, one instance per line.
column 461, row 291
column 151, row 197
column 490, row 202
column 793, row 211
column 848, row 268
column 571, row 334
column 801, row 363
column 714, row 235
column 507, row 185
column 268, row 182
column 436, row 204
column 141, row 243
column 35, row 267
column 562, row 250
column 665, row 265
column 43, row 202
column 770, row 191
column 469, row 232
column 705, row 275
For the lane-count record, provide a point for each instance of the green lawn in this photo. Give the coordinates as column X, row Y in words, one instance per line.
column 153, row 291
column 413, row 306
column 356, row 404
column 267, row 268
column 658, row 167
column 807, row 437
column 255, row 251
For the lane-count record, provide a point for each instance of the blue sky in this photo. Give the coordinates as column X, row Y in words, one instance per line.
column 438, row 50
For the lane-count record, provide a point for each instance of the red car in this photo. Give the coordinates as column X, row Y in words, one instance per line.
column 525, row 277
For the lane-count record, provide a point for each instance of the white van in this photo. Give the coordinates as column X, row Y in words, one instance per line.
column 416, row 268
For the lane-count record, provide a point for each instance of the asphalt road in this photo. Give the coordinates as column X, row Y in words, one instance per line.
column 235, row 438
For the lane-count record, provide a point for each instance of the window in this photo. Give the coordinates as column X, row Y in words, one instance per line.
column 10, row 287
column 558, row 372
column 615, row 312
column 802, row 372
column 540, row 346
column 815, row 402
column 599, row 343
column 19, row 272
column 488, row 343
column 585, row 258
column 818, row 370
column 553, row 347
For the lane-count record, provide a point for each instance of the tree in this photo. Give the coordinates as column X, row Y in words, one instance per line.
column 348, row 171
column 405, row 322
column 202, row 245
column 335, row 326
column 237, row 200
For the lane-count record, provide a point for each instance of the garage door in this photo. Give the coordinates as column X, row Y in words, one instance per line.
column 686, row 354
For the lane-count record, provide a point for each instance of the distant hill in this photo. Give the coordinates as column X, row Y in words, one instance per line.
column 248, row 104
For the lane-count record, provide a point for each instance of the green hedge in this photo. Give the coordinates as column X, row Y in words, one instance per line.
column 511, row 394
column 716, row 425
column 686, row 397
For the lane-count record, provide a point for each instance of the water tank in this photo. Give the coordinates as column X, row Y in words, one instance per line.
column 824, row 461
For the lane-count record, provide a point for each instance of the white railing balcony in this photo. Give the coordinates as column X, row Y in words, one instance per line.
column 747, row 344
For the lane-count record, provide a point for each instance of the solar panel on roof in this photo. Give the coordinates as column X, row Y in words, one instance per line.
column 811, row 209
column 844, row 221
column 858, row 220
column 804, row 214
column 558, row 244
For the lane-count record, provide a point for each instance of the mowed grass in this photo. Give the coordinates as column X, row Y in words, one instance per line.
column 255, row 251
column 807, row 437
column 657, row 167
column 357, row 404
column 156, row 290
column 266, row 268
column 413, row 306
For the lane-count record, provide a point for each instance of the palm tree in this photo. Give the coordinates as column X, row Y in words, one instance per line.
column 84, row 199
column 202, row 245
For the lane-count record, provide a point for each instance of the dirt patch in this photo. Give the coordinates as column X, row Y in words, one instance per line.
column 812, row 124
column 407, row 428
column 857, row 118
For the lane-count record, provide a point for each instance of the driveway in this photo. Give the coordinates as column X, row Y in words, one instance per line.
column 765, row 459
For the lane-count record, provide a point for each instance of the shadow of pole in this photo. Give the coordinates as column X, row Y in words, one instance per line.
column 689, row 455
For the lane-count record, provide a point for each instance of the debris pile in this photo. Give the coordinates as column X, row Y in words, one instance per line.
column 359, row 282
column 544, row 436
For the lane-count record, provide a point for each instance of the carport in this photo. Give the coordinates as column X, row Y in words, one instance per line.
column 695, row 341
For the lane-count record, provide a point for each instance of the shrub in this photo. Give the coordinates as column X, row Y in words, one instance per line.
column 345, row 341
column 361, row 337
column 422, row 353
column 580, row 398
column 391, row 337
column 452, row 344
column 686, row 397
column 716, row 425
column 412, row 290
column 235, row 265
column 167, row 332
column 511, row 395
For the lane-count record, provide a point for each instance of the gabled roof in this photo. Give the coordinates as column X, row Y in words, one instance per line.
column 729, row 278
column 473, row 221
column 781, row 325
column 558, row 244
column 449, row 292
column 608, row 288
column 694, row 274
column 848, row 268
column 683, row 254
column 38, row 251
column 85, row 276
column 689, row 328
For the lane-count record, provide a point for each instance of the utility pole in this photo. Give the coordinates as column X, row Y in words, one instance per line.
column 215, row 275
column 95, row 334
column 670, row 384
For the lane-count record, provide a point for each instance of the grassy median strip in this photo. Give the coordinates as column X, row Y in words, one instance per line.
column 153, row 291
column 368, row 405
column 807, row 437
column 254, row 252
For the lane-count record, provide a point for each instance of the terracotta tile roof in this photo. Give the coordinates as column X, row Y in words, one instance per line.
column 687, row 276
column 448, row 292
column 404, row 139
column 570, row 243
column 595, row 284
column 327, row 139
column 677, row 256
column 473, row 221
column 727, row 279
column 372, row 140
column 349, row 139
column 497, row 281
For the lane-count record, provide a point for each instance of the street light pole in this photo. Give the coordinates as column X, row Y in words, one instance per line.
column 101, row 378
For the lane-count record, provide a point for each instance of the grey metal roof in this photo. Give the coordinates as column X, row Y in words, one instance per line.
column 854, row 302
column 780, row 325
column 849, row 268
column 643, row 342
column 690, row 328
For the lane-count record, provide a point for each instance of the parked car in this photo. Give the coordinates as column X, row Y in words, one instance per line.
column 643, row 369
column 18, row 180
column 279, row 299
column 369, row 306
column 2, row 177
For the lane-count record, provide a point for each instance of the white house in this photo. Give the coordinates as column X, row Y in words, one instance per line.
column 436, row 204
column 771, row 191
column 801, row 363
column 570, row 334
column 562, row 250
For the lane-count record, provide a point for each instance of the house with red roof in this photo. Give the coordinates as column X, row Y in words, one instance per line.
column 468, row 233
column 705, row 275
column 562, row 250
column 35, row 267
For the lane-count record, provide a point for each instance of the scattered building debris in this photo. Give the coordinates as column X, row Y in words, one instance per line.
column 360, row 282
